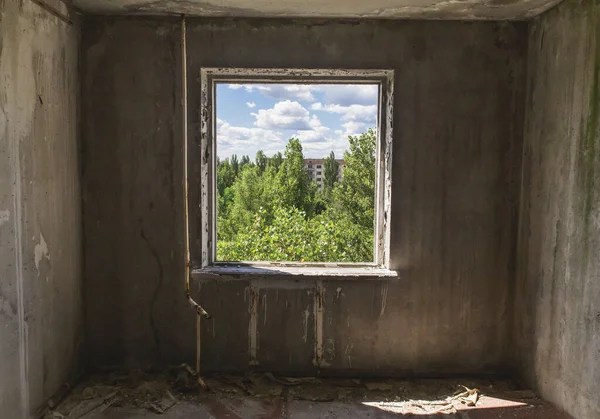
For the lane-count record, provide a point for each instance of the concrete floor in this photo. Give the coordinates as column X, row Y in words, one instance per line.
column 266, row 397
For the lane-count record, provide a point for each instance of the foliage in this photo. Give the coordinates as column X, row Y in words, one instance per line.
column 276, row 160
column 269, row 209
column 330, row 172
column 355, row 196
column 261, row 160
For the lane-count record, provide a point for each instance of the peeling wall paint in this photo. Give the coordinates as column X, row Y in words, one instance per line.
column 318, row 360
column 384, row 293
column 253, row 325
column 40, row 252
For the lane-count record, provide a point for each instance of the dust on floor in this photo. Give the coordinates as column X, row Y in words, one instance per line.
column 139, row 395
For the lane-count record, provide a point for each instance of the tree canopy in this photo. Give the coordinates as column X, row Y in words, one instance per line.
column 269, row 209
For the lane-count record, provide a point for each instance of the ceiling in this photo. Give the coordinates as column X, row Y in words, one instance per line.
column 386, row 9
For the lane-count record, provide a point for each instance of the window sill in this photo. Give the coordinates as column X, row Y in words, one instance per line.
column 337, row 271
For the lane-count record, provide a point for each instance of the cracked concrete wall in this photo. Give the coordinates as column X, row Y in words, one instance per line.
column 458, row 121
column 557, row 299
column 41, row 314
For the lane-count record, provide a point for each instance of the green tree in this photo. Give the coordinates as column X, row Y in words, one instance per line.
column 235, row 164
column 261, row 160
column 275, row 214
column 244, row 162
column 295, row 188
column 330, row 172
column 276, row 160
column 355, row 196
column 225, row 175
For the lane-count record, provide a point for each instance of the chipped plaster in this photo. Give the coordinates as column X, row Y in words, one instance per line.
column 377, row 9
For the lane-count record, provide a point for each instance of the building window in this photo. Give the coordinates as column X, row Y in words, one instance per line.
column 228, row 238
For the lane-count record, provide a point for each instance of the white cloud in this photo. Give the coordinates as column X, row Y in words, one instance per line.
column 302, row 92
column 284, row 115
column 293, row 91
column 338, row 94
column 358, row 113
column 246, row 141
column 319, row 147
column 317, row 134
column 355, row 107
column 354, row 128
column 317, row 141
column 350, row 94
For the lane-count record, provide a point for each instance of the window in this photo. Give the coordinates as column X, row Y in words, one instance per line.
column 220, row 137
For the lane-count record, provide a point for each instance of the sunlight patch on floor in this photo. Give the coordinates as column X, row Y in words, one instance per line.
column 448, row 406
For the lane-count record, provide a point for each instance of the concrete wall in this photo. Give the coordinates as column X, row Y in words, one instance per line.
column 458, row 121
column 41, row 314
column 557, row 329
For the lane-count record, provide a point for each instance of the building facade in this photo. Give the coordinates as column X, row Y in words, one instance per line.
column 316, row 171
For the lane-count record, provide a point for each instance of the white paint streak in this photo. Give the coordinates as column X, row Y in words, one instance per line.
column 3, row 122
column 384, row 294
column 17, row 205
column 318, row 360
column 331, row 348
column 253, row 325
column 4, row 216
column 348, row 353
column 40, row 252
column 338, row 291
column 305, row 325
column 264, row 302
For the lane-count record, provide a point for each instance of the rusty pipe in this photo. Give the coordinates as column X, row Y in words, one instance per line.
column 188, row 295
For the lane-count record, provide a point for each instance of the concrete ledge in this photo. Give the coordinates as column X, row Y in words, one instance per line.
column 324, row 270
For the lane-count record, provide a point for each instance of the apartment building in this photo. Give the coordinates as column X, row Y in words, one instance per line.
column 316, row 172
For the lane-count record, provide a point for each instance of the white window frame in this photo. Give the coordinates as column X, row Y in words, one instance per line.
column 210, row 77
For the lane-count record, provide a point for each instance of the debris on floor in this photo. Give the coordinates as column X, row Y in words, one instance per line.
column 268, row 396
column 96, row 396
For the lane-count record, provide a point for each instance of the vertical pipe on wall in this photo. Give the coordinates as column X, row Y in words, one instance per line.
column 184, row 128
column 186, row 215
column 199, row 310
column 198, row 341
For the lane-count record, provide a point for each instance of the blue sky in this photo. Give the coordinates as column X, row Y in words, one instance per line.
column 252, row 117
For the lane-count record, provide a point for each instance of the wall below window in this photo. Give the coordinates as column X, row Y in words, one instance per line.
column 41, row 312
column 557, row 329
column 457, row 158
